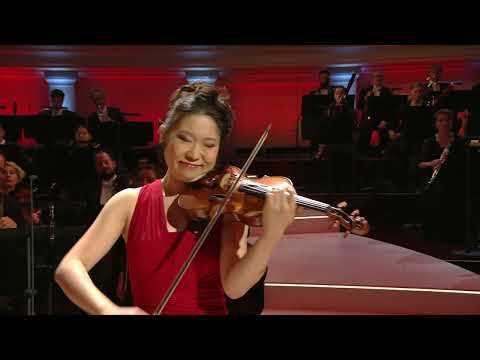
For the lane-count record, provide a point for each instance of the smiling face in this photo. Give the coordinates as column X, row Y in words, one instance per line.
column 191, row 148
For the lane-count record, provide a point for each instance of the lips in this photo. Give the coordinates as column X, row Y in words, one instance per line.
column 189, row 165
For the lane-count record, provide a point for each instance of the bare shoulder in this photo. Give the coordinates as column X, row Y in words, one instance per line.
column 127, row 196
column 126, row 200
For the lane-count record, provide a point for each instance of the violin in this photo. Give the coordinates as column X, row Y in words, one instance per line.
column 200, row 199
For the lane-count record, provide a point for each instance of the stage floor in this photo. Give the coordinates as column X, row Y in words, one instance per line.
column 324, row 273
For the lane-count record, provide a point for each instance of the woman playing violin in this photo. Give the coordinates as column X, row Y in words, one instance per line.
column 157, row 230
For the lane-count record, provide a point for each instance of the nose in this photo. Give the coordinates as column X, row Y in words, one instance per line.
column 193, row 152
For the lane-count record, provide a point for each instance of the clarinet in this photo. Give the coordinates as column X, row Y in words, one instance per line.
column 437, row 170
column 51, row 209
column 51, row 226
column 51, row 240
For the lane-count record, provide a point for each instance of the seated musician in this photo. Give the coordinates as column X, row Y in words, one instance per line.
column 446, row 195
column 413, row 125
column 10, row 211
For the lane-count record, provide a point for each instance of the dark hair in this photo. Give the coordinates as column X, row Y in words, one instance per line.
column 204, row 99
column 105, row 150
column 341, row 87
column 79, row 126
column 324, row 72
column 57, row 93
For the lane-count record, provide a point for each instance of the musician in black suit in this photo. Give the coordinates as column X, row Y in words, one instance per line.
column 58, row 122
column 55, row 130
column 105, row 123
column 314, row 113
column 340, row 126
column 11, row 150
column 56, row 109
column 375, row 103
column 108, row 182
column 97, row 192
column 438, row 91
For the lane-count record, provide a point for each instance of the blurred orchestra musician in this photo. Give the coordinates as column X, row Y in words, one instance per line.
column 340, row 126
column 105, row 123
column 444, row 152
column 314, row 114
column 55, row 130
column 375, row 104
column 414, row 124
column 56, row 109
column 437, row 90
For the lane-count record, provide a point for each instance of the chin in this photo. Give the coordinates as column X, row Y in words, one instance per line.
column 190, row 176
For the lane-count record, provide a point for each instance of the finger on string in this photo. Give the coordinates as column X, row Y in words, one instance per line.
column 342, row 205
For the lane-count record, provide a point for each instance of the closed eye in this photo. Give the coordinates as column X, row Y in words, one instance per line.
column 183, row 137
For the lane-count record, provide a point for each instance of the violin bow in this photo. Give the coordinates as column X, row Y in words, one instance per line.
column 209, row 227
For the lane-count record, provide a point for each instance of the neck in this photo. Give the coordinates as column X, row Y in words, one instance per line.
column 444, row 136
column 108, row 177
column 171, row 186
column 83, row 144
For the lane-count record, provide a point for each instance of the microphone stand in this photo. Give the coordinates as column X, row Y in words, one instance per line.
column 30, row 292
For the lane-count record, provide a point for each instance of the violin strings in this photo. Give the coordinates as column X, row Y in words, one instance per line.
column 313, row 204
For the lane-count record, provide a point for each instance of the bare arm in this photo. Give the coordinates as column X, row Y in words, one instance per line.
column 72, row 273
column 240, row 270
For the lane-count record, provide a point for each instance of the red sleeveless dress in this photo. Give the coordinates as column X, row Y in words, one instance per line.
column 155, row 256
